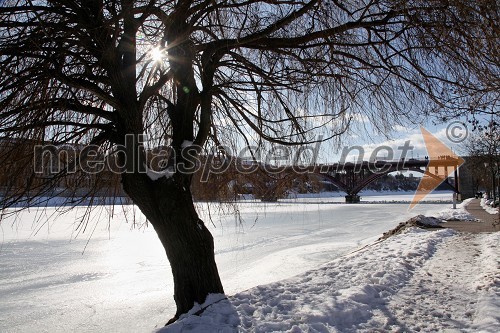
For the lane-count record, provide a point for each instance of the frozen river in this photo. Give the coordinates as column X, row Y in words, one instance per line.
column 54, row 279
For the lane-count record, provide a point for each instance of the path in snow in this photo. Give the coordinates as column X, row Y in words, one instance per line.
column 477, row 208
column 444, row 292
column 477, row 219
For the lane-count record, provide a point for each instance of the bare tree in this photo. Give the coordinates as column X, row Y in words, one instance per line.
column 190, row 73
column 483, row 150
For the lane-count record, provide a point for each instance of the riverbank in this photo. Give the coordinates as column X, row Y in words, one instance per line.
column 418, row 280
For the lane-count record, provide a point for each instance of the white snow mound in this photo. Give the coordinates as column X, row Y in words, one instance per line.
column 458, row 214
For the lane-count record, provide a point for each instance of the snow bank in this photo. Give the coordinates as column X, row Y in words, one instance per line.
column 487, row 317
column 340, row 296
column 421, row 221
column 488, row 208
column 424, row 221
column 458, row 214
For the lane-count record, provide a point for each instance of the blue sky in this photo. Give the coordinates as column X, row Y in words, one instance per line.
column 398, row 137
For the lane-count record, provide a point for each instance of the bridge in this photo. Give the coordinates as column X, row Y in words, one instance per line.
column 352, row 177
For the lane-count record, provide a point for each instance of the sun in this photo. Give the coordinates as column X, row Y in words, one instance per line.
column 157, row 54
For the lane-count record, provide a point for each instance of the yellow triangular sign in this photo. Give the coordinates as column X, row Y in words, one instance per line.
column 442, row 163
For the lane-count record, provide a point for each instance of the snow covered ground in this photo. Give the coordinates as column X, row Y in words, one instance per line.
column 120, row 281
column 418, row 281
column 460, row 213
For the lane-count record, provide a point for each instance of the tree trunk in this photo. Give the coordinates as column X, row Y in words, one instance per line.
column 168, row 205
